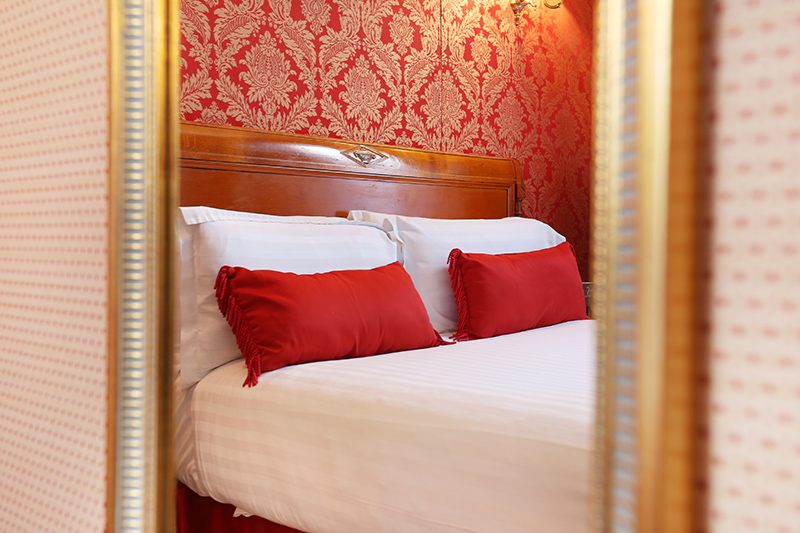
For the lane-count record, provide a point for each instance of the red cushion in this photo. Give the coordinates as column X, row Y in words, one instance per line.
column 282, row 319
column 506, row 293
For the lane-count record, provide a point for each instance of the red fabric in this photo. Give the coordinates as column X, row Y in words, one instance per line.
column 198, row 514
column 506, row 293
column 282, row 319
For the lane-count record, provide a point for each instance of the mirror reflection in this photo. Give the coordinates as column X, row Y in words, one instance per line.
column 383, row 236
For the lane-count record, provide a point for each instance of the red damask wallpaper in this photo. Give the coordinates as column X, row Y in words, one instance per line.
column 453, row 75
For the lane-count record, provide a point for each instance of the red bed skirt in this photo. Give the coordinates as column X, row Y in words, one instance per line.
column 198, row 514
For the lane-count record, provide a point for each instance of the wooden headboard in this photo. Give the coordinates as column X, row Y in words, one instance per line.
column 285, row 174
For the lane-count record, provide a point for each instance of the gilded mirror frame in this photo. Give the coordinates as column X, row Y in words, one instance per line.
column 643, row 262
column 143, row 96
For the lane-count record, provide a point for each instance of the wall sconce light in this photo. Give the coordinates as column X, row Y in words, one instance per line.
column 517, row 7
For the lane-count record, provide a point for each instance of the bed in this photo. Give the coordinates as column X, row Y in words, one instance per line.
column 476, row 417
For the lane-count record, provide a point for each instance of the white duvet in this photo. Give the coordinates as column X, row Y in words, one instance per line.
column 491, row 435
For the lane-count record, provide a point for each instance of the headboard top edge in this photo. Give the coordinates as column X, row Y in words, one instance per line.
column 197, row 128
column 226, row 144
column 284, row 173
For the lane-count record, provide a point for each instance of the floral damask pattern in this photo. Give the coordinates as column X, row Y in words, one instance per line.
column 453, row 75
column 267, row 75
column 362, row 94
column 318, row 12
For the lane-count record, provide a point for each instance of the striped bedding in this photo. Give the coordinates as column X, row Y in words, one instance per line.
column 491, row 435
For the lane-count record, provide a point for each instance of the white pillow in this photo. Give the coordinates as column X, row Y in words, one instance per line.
column 211, row 238
column 372, row 216
column 426, row 244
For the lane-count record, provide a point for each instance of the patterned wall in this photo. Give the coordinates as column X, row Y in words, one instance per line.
column 53, row 262
column 755, row 264
column 453, row 75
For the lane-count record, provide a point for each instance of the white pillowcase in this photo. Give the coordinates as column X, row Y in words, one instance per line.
column 426, row 244
column 211, row 238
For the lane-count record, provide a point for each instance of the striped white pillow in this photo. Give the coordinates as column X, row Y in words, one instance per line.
column 210, row 238
column 427, row 242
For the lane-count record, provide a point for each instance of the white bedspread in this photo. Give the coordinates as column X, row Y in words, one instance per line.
column 491, row 435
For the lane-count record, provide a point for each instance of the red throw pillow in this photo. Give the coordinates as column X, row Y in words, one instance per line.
column 282, row 319
column 506, row 293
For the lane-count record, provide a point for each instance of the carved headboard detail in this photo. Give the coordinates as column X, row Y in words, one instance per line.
column 285, row 174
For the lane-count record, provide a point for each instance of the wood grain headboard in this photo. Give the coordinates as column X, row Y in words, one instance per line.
column 285, row 174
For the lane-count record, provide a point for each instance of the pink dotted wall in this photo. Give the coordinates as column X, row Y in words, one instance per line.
column 53, row 263
column 754, row 419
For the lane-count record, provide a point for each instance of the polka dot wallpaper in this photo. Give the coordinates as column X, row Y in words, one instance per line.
column 53, row 262
column 754, row 321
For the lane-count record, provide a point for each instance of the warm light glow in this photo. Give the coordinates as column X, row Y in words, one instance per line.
column 518, row 7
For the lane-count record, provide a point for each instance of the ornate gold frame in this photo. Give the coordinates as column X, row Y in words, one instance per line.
column 644, row 257
column 643, row 271
column 143, row 93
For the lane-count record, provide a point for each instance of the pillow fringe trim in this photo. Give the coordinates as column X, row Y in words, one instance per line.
column 237, row 320
column 440, row 341
column 457, row 283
